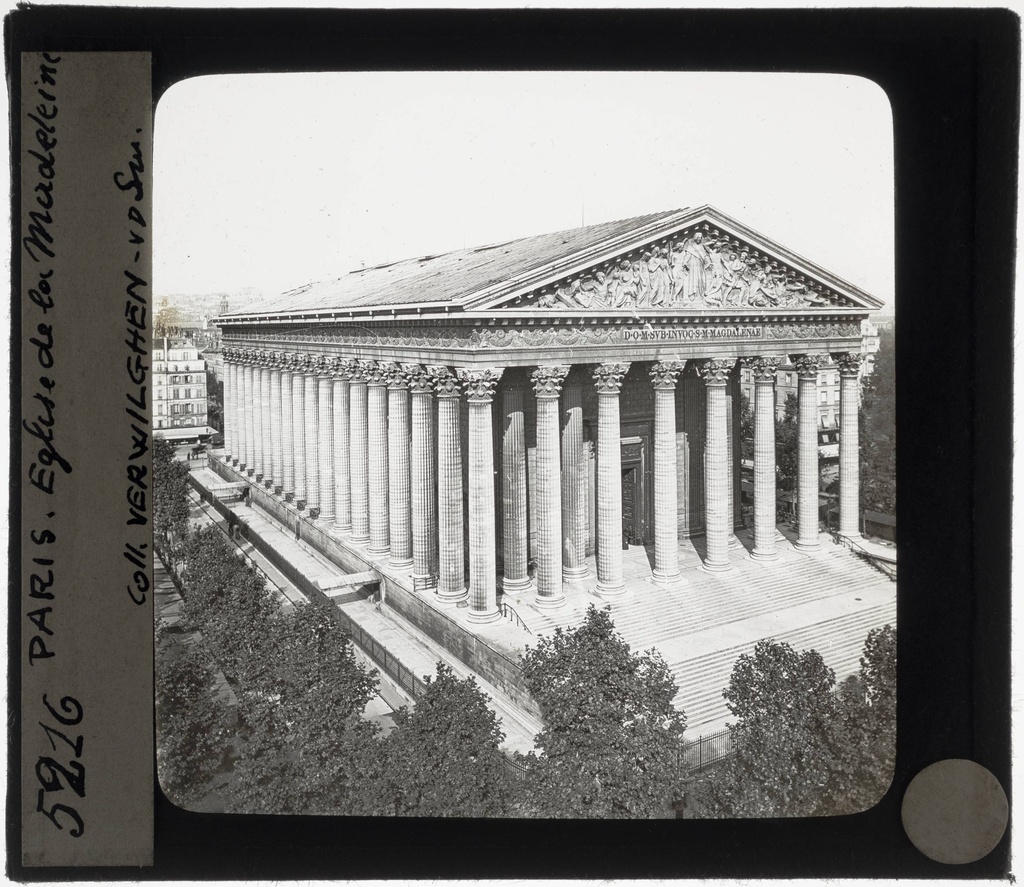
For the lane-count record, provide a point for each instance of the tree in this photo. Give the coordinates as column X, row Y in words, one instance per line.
column 192, row 727
column 786, row 445
column 611, row 743
column 170, row 494
column 308, row 750
column 444, row 756
column 878, row 431
column 214, row 400
column 746, row 428
column 783, row 738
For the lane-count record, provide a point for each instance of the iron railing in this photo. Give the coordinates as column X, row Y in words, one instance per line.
column 707, row 750
column 508, row 613
column 386, row 661
column 880, row 564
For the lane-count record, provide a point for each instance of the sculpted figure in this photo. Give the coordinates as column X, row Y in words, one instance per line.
column 717, row 277
column 625, row 295
column 660, row 277
column 601, row 289
column 697, row 265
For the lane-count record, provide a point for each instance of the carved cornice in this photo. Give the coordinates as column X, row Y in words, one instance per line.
column 849, row 363
column 419, row 378
column 445, row 382
column 843, row 330
column 665, row 372
column 808, row 365
column 479, row 384
column 763, row 369
column 716, row 371
column 547, row 380
column 608, row 377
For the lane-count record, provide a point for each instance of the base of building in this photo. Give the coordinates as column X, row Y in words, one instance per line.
column 516, row 586
column 481, row 618
column 549, row 602
column 611, row 592
column 767, row 555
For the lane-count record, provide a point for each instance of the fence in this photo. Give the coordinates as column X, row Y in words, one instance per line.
column 413, row 685
column 707, row 750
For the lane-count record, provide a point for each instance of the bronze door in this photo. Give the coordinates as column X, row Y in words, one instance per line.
column 631, row 532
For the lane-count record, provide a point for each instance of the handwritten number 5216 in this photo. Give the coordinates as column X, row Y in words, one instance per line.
column 50, row 772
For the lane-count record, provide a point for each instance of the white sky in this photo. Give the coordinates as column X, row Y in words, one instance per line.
column 270, row 181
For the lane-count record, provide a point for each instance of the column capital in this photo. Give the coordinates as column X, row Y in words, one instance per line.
column 665, row 372
column 277, row 360
column 808, row 365
column 375, row 372
column 716, row 370
column 763, row 369
column 396, row 377
column 445, row 382
column 608, row 377
column 547, row 380
column 230, row 355
column 849, row 363
column 342, row 367
column 479, row 384
column 418, row 377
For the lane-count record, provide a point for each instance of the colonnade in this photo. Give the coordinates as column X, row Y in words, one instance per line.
column 351, row 443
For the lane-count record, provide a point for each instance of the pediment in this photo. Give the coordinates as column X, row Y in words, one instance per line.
column 705, row 262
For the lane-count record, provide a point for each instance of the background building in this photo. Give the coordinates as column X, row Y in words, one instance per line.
column 179, row 390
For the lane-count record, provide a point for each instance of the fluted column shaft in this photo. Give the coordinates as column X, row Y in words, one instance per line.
column 849, row 445
column 228, row 407
column 266, row 425
column 311, row 461
column 483, row 591
column 399, row 469
column 608, row 380
column 342, row 449
column 299, row 434
column 284, row 419
column 716, row 465
column 237, row 411
column 547, row 385
column 257, row 423
column 451, row 581
column 247, row 402
column 807, row 452
column 666, row 493
column 515, row 576
column 358, row 455
column 423, row 495
column 763, row 370
column 276, row 431
column 377, row 458
column 574, row 485
column 325, row 434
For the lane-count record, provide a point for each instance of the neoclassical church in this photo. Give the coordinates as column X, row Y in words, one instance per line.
column 513, row 417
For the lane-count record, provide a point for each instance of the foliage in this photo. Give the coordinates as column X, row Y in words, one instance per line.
column 308, row 750
column 170, row 494
column 228, row 601
column 444, row 756
column 746, row 429
column 611, row 741
column 878, row 431
column 786, row 445
column 784, row 704
column 214, row 400
column 192, row 727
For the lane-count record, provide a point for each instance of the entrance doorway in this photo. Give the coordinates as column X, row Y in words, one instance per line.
column 634, row 491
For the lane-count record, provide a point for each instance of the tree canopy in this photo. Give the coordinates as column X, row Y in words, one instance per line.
column 170, row 494
column 786, row 445
column 878, row 431
column 611, row 743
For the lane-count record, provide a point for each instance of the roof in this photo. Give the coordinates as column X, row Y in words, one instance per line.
column 449, row 277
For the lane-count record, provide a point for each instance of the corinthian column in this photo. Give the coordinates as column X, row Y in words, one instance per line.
column 849, row 444
column 399, row 501
column 237, row 411
column 608, row 381
column 299, row 429
column 423, row 496
column 228, row 413
column 377, row 456
column 342, row 443
column 807, row 367
column 718, row 518
column 513, row 462
column 266, row 423
column 284, row 420
column 358, row 452
column 257, row 418
column 763, row 370
column 451, row 580
column 574, row 485
column 246, row 403
column 547, row 385
column 483, row 593
column 666, row 493
column 311, row 462
column 274, row 421
column 325, row 432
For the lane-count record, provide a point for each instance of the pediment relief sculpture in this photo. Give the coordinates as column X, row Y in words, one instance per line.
column 690, row 272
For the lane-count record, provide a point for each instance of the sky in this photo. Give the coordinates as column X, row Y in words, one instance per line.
column 265, row 182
